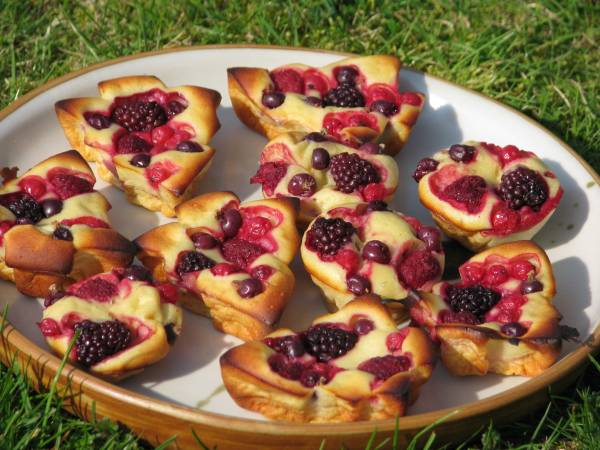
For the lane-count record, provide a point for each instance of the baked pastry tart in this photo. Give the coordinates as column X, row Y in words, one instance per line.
column 125, row 321
column 322, row 173
column 366, row 248
column 148, row 139
column 355, row 100
column 54, row 227
column 482, row 194
column 348, row 366
column 499, row 317
column 230, row 258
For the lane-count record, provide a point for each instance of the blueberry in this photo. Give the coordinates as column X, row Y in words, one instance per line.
column 189, row 147
column 204, row 241
column 377, row 205
column 97, row 120
column 358, row 285
column 529, row 287
column 376, row 251
column 315, row 136
column 320, row 158
column 431, row 237
column 461, row 153
column 346, row 75
column 302, row 185
column 273, row 99
column 250, row 287
column 231, row 221
column 62, row 233
column 384, row 107
column 513, row 329
column 137, row 273
column 313, row 101
column 140, row 160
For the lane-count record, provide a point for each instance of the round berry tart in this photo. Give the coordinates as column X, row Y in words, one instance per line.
column 230, row 259
column 483, row 195
column 366, row 248
column 498, row 317
column 54, row 227
column 323, row 174
column 147, row 138
column 355, row 100
column 125, row 321
column 348, row 366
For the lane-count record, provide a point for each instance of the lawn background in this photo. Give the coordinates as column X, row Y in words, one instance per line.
column 541, row 58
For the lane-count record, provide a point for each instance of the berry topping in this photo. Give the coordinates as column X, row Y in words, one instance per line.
column 170, row 333
column 33, row 185
column 302, row 185
column 315, row 136
column 313, row 101
column 358, row 285
column 363, row 326
column 431, row 237
column 376, row 251
column 288, row 80
column 529, row 287
column 192, row 262
column 137, row 273
column 139, row 116
column 521, row 269
column 523, row 187
column 189, row 147
column 316, row 374
column 377, row 205
column 513, row 329
column 371, row 148
column 53, row 296
column 241, row 252
column 384, row 107
column 418, row 268
column 49, row 327
column 283, row 366
column 269, row 175
column 97, row 120
column 448, row 316
column 140, row 160
column 67, row 185
column 346, row 75
column 97, row 289
column 291, row 345
column 344, row 96
column 327, row 236
column 130, row 143
column 62, row 233
column 204, row 241
column 273, row 99
column 231, row 221
column 174, row 107
column 496, row 274
column 504, row 220
column 425, row 166
column 23, row 206
column 250, row 287
column 462, row 153
column 350, row 172
column 467, row 190
column 98, row 341
column 327, row 341
column 383, row 367
column 52, row 206
column 476, row 300
column 320, row 158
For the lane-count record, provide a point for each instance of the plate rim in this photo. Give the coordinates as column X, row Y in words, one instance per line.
column 14, row 342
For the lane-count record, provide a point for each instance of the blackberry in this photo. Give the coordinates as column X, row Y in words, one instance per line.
column 326, row 341
column 24, row 207
column 174, row 107
column 139, row 116
column 327, row 236
column 192, row 262
column 350, row 172
column 476, row 300
column 424, row 166
column 523, row 187
column 99, row 340
column 344, row 96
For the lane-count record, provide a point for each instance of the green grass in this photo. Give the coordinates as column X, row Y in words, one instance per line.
column 542, row 58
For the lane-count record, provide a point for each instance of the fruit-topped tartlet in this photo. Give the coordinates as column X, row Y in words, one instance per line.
column 148, row 139
column 229, row 258
column 366, row 248
column 498, row 317
column 123, row 321
column 348, row 366
column 355, row 100
column 322, row 173
column 483, row 195
column 54, row 227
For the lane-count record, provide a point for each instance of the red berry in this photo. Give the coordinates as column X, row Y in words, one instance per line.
column 521, row 269
column 33, row 185
column 241, row 252
column 67, row 185
column 496, row 274
column 96, row 288
column 288, row 80
column 269, row 175
column 418, row 268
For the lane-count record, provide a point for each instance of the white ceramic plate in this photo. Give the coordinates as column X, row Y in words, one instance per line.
column 190, row 374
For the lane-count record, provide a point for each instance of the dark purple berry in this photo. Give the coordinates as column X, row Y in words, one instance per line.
column 363, row 326
column 371, row 148
column 250, row 287
column 53, row 296
column 376, row 251
column 23, row 221
column 141, row 160
column 358, row 285
column 320, row 158
column 290, row 346
column 523, row 187
column 192, row 261
column 476, row 300
column 315, row 137
column 384, row 107
column 23, row 206
column 204, row 241
column 52, row 206
column 97, row 120
column 327, row 236
column 350, row 172
column 377, row 205
column 189, row 147
column 130, row 143
column 139, row 116
column 137, row 273
column 513, row 329
column 99, row 340
column 425, row 166
column 314, row 101
column 462, row 153
column 174, row 107
column 327, row 341
column 346, row 75
column 63, row 233
column 431, row 237
column 529, row 287
column 231, row 221
column 273, row 99
column 344, row 96
column 171, row 334
column 467, row 190
column 302, row 185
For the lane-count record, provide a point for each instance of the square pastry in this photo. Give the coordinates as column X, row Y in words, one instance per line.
column 148, row 139
column 355, row 100
column 230, row 258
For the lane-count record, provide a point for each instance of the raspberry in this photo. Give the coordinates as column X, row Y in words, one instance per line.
column 241, row 252
column 523, row 187
column 476, row 300
column 130, row 143
column 383, row 367
column 344, row 96
column 327, row 236
column 192, row 262
column 327, row 341
column 139, row 116
column 67, row 185
column 269, row 175
column 288, row 80
column 424, row 166
column 447, row 316
column 99, row 340
column 23, row 206
column 97, row 289
column 418, row 268
column 350, row 172
column 467, row 190
column 285, row 367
